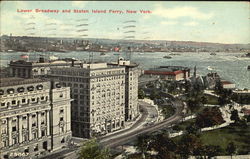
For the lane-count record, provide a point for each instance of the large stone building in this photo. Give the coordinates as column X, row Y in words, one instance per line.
column 80, row 77
column 34, row 116
column 105, row 96
column 99, row 97
column 37, row 69
column 131, row 88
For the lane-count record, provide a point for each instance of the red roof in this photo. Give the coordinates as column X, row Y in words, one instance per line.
column 162, row 72
column 246, row 111
column 226, row 82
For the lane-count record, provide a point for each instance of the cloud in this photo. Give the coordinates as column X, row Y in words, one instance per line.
column 179, row 12
column 169, row 22
column 191, row 24
column 79, row 4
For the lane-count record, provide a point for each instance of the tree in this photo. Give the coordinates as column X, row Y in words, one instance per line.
column 165, row 146
column 235, row 116
column 154, row 94
column 211, row 150
column 209, row 117
column 192, row 129
column 188, row 145
column 142, row 144
column 141, row 94
column 231, row 149
column 92, row 150
column 218, row 87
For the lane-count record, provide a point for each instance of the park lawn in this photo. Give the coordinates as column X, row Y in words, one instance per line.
column 183, row 125
column 239, row 135
column 211, row 99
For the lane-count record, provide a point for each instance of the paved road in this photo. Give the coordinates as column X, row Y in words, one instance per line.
column 127, row 135
column 161, row 125
column 71, row 153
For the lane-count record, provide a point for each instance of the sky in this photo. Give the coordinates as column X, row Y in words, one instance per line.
column 218, row 22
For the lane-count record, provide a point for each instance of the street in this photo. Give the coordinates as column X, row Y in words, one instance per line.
column 146, row 124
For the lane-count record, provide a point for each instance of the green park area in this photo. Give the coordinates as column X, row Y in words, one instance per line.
column 211, row 99
column 237, row 134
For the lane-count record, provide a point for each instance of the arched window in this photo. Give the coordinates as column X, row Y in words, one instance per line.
column 39, row 87
column 30, row 88
column 20, row 89
column 1, row 92
column 10, row 91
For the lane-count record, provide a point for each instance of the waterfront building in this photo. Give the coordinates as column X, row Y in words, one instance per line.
column 172, row 73
column 34, row 116
column 98, row 90
column 227, row 84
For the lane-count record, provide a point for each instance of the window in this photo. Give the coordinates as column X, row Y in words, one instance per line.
column 23, row 100
column 61, row 111
column 58, row 85
column 14, row 128
column 30, row 88
column 33, row 99
column 39, row 87
column 10, row 91
column 1, row 92
column 61, row 95
column 33, row 116
column 42, row 98
column 13, row 102
column 61, row 118
column 43, row 132
column 2, row 104
column 36, row 148
column 20, row 89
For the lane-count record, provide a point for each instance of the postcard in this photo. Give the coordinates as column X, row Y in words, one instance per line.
column 124, row 79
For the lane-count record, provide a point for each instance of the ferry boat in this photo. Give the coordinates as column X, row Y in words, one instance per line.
column 167, row 57
column 102, row 53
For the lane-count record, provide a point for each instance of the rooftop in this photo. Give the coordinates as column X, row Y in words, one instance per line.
column 12, row 81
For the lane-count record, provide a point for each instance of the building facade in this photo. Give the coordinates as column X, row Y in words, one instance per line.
column 40, row 68
column 131, row 88
column 172, row 73
column 34, row 116
column 98, row 91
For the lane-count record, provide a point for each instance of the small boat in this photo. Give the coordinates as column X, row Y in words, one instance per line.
column 167, row 57
column 102, row 54
column 213, row 53
column 209, row 68
column 174, row 54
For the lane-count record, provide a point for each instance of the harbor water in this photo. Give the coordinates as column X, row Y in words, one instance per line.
column 230, row 66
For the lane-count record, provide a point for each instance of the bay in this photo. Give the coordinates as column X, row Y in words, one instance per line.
column 230, row 66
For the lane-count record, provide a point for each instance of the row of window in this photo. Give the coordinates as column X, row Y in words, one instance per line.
column 21, row 89
column 23, row 101
column 107, row 73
